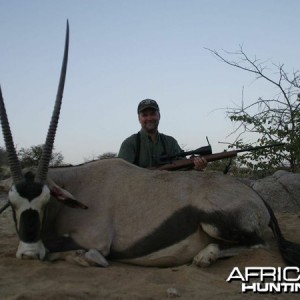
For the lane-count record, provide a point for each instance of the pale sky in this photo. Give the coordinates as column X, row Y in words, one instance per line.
column 123, row 51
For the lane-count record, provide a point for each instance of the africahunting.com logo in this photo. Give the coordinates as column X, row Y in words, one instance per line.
column 267, row 279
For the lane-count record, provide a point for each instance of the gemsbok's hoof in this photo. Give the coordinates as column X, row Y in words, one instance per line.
column 95, row 258
column 207, row 256
column 88, row 258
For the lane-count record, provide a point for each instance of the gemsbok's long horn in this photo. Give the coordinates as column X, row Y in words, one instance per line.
column 13, row 161
column 43, row 166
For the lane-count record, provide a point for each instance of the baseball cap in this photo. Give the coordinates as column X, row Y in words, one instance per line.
column 147, row 103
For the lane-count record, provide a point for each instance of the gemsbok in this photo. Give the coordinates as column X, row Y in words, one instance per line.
column 130, row 214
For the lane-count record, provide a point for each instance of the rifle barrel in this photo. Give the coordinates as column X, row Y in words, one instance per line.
column 260, row 147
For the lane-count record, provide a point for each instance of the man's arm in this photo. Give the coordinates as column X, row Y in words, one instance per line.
column 200, row 163
column 127, row 150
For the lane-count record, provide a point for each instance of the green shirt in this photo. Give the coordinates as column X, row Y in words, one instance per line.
column 149, row 151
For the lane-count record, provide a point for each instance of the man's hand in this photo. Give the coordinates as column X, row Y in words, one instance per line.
column 200, row 163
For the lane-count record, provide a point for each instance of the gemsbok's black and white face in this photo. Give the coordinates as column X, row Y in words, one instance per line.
column 29, row 193
column 28, row 200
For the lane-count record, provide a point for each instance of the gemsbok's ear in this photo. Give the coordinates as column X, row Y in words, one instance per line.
column 64, row 196
column 5, row 185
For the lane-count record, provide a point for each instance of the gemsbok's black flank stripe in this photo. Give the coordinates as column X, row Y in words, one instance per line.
column 182, row 224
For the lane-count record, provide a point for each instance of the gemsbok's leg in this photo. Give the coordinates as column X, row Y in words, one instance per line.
column 82, row 257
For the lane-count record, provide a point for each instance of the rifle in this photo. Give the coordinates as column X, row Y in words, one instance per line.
column 202, row 151
column 182, row 163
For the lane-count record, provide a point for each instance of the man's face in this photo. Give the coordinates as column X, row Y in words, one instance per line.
column 149, row 120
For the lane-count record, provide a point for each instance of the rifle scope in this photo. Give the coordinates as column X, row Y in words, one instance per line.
column 206, row 150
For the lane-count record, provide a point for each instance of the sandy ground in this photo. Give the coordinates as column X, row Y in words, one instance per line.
column 27, row 279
